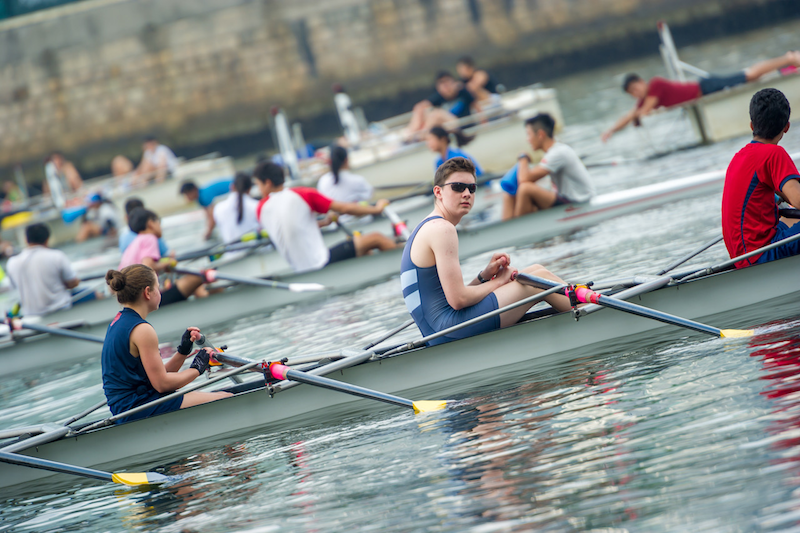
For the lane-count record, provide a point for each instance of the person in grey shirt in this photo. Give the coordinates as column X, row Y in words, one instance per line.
column 42, row 275
column 570, row 177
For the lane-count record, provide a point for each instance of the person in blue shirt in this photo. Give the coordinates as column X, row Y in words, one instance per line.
column 205, row 196
column 449, row 102
column 127, row 235
column 438, row 141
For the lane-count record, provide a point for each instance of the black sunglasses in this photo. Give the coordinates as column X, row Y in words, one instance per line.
column 461, row 187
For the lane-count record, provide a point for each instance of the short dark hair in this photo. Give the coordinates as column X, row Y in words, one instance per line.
column 131, row 204
column 443, row 74
column 465, row 60
column 37, row 233
column 149, row 138
column 630, row 78
column 269, row 171
column 188, row 186
column 451, row 166
column 769, row 113
column 138, row 219
column 543, row 122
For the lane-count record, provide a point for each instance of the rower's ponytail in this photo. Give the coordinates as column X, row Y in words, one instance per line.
column 338, row 159
column 129, row 283
column 242, row 184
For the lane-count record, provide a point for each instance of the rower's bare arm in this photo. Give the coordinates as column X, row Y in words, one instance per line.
column 72, row 283
column 155, row 265
column 210, row 223
column 145, row 342
column 650, row 103
column 351, row 208
column 791, row 191
column 526, row 173
column 620, row 124
column 478, row 81
column 444, row 245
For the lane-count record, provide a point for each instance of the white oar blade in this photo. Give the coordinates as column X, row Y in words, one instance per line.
column 307, row 287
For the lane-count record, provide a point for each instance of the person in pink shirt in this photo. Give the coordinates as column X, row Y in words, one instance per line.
column 144, row 250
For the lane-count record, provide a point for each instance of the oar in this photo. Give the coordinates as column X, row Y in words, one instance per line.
column 586, row 295
column 690, row 255
column 282, row 372
column 399, row 226
column 248, row 241
column 56, row 331
column 212, row 275
column 124, row 478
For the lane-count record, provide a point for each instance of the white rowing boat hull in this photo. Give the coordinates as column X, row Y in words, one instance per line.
column 734, row 299
column 342, row 277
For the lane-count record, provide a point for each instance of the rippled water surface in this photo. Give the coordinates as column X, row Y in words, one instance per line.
column 674, row 433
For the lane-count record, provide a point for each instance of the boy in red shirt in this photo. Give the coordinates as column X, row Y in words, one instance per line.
column 755, row 175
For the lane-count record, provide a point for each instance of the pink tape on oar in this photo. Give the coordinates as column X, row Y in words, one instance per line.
column 399, row 228
column 584, row 295
column 278, row 370
column 210, row 275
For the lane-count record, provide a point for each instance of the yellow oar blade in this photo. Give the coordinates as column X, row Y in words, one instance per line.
column 736, row 333
column 429, row 405
column 138, row 478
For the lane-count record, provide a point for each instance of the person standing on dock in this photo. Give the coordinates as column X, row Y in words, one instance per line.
column 290, row 218
column 430, row 273
column 573, row 185
column 755, row 175
column 205, row 196
column 236, row 215
column 661, row 92
column 133, row 371
column 438, row 142
column 43, row 276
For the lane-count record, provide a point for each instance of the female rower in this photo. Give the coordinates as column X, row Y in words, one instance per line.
column 133, row 372
column 438, row 141
column 342, row 185
column 236, row 215
column 433, row 286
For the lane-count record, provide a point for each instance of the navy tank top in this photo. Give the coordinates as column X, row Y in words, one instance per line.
column 427, row 303
column 125, row 382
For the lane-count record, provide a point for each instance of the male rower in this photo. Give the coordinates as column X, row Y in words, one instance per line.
column 755, row 175
column 205, row 196
column 660, row 92
column 290, row 218
column 449, row 102
column 43, row 276
column 157, row 163
column 127, row 235
column 522, row 195
column 477, row 81
column 431, row 277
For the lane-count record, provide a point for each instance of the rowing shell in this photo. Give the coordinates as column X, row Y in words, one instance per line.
column 735, row 298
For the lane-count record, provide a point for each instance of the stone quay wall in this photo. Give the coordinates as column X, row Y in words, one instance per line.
column 91, row 78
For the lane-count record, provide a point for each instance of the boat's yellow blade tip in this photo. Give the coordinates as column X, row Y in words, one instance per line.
column 138, row 478
column 429, row 405
column 736, row 333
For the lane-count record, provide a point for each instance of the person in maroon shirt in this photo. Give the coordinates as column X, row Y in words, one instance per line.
column 660, row 92
column 755, row 175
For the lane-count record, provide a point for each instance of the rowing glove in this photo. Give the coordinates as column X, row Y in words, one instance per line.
column 200, row 362
column 186, row 345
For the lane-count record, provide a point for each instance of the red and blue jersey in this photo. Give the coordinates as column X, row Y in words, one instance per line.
column 749, row 213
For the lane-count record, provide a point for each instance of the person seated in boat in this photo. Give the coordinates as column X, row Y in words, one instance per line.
column 132, row 369
column 12, row 193
column 438, row 142
column 145, row 250
column 755, row 175
column 235, row 216
column 205, row 196
column 43, row 276
column 121, row 168
column 158, row 162
column 522, row 195
column 661, row 92
column 127, row 235
column 290, row 218
column 431, row 112
column 430, row 273
column 480, row 83
column 66, row 172
column 99, row 220
column 342, row 185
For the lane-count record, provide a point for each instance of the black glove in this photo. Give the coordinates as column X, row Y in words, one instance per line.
column 186, row 345
column 200, row 362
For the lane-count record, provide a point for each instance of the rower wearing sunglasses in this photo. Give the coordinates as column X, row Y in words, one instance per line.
column 433, row 285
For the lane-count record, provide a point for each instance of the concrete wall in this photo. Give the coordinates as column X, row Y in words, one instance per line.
column 91, row 78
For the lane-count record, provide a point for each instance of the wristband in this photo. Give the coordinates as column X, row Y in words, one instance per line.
column 480, row 278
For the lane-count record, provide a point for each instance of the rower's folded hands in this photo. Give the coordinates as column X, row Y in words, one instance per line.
column 380, row 204
column 496, row 264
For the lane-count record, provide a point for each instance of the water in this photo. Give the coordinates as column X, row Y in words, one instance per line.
column 685, row 435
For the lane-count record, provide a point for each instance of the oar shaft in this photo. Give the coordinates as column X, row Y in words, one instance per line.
column 62, row 332
column 54, row 466
column 284, row 372
column 692, row 254
column 397, row 223
column 212, row 275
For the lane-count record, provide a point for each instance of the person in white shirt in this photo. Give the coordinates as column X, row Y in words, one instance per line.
column 341, row 184
column 236, row 215
column 100, row 219
column 290, row 218
column 43, row 276
column 158, row 161
column 570, row 177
